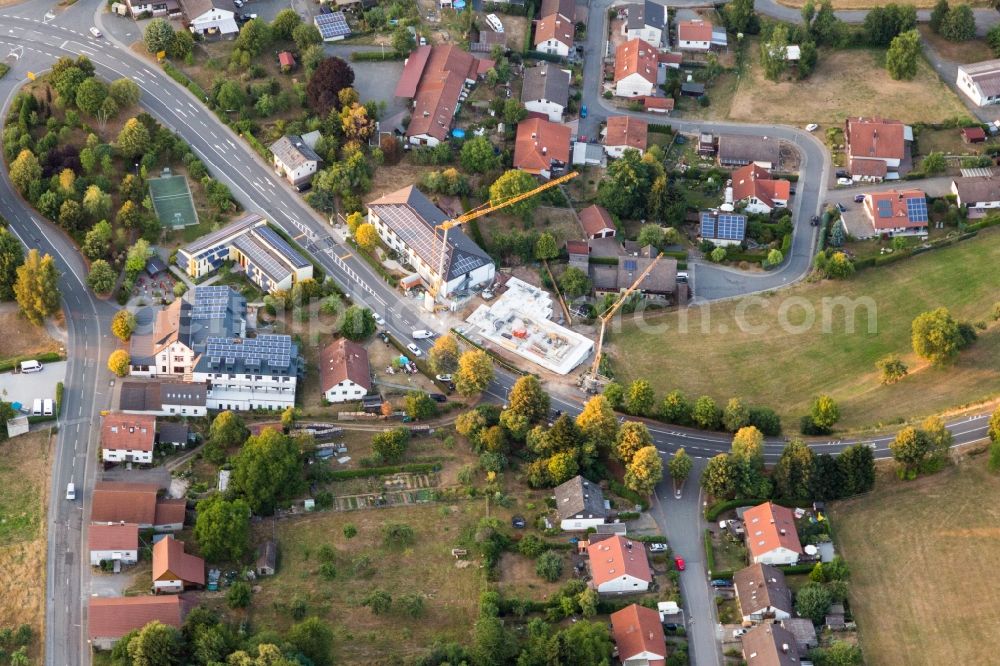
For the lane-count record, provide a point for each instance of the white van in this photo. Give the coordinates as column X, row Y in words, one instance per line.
column 31, row 366
column 47, row 407
column 36, row 407
column 70, row 491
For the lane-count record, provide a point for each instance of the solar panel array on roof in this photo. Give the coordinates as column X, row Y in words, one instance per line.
column 630, row 265
column 723, row 226
column 275, row 350
column 332, row 25
column 280, row 245
column 259, row 255
column 916, row 209
column 884, row 208
column 210, row 302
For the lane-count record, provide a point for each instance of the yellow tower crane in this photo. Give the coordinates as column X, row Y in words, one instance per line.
column 487, row 208
column 592, row 379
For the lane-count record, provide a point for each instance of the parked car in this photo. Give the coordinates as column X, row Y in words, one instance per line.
column 844, row 181
column 439, row 397
column 421, row 334
column 657, row 547
column 739, row 632
column 95, row 32
column 583, row 111
column 239, row 4
column 379, row 319
column 812, row 127
column 443, row 378
column 679, row 563
column 518, row 522
column 304, row 187
column 842, row 208
column 415, row 350
column 858, row 198
column 842, row 173
column 722, row 582
column 814, row 221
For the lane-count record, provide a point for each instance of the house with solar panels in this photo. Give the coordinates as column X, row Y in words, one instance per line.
column 723, row 228
column 897, row 213
column 406, row 221
column 249, row 373
column 333, row 26
column 265, row 257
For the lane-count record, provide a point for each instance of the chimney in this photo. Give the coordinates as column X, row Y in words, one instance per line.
column 544, row 150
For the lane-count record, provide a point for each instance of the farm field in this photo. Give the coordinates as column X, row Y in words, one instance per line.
column 915, row 547
column 705, row 350
column 845, row 83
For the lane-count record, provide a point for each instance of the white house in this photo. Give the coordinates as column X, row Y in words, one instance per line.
column 580, row 504
column 163, row 398
column 406, row 221
column 128, row 438
column 762, row 594
column 294, row 160
column 694, row 35
column 636, row 69
column 876, row 148
column 771, row 535
column 252, row 373
column 618, row 565
column 117, row 542
column 344, row 372
column 623, row 133
column 638, row 636
column 646, row 21
column 154, row 8
column 980, row 81
column 897, row 213
column 205, row 18
column 978, row 195
column 757, row 191
column 554, row 35
column 546, row 90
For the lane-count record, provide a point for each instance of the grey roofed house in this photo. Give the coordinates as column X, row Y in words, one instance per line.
column 546, row 82
column 647, row 13
column 168, row 432
column 976, row 190
column 413, row 217
column 804, row 631
column 692, row 89
column 148, row 396
column 760, row 587
column 662, row 280
column 770, row 645
column 293, row 151
column 742, row 150
column 579, row 497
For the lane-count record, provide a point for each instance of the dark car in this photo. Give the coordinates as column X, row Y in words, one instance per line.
column 439, row 397
column 518, row 522
column 842, row 173
column 858, row 198
column 722, row 582
column 304, row 187
column 842, row 208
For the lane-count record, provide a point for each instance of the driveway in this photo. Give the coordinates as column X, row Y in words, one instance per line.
column 373, row 79
column 26, row 387
column 158, row 475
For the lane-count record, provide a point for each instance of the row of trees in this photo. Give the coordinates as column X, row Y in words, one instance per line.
column 921, row 450
column 637, row 187
column 956, row 24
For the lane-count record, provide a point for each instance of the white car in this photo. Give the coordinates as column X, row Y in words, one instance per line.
column 844, row 181
column 421, row 334
column 812, row 127
column 95, row 32
column 443, row 378
column 657, row 547
column 379, row 319
column 415, row 350
column 239, row 3
column 739, row 632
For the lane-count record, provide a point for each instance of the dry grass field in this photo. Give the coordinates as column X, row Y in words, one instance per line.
column 974, row 50
column 20, row 336
column 24, row 483
column 770, row 364
column 917, row 548
column 846, row 83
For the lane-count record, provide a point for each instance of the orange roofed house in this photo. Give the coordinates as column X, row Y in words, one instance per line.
column 639, row 636
column 877, row 149
column 618, row 565
column 110, row 618
column 437, row 79
column 173, row 569
column 113, row 542
column 637, row 69
column 128, row 438
column 897, row 213
column 597, row 222
column 115, row 502
column 555, row 28
column 542, row 147
column 761, row 193
column 343, row 371
column 771, row 535
column 625, row 132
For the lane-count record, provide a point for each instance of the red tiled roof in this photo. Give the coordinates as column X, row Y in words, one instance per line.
column 870, row 168
column 113, row 617
column 974, row 134
column 626, row 131
column 769, row 526
column 637, row 630
column 538, row 143
column 170, row 562
column 754, row 181
column 577, row 247
column 671, row 58
column 113, row 537
column 434, row 76
column 896, row 210
column 613, row 557
column 595, row 219
column 694, row 31
column 875, row 137
column 131, row 432
column 636, row 56
column 343, row 359
column 554, row 27
column 566, row 8
column 412, row 71
column 286, row 59
column 114, row 502
column 170, row 511
column 659, row 103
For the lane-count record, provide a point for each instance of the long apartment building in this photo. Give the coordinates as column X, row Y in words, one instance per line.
column 253, row 373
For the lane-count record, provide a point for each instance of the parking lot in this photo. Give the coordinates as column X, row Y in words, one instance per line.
column 26, row 387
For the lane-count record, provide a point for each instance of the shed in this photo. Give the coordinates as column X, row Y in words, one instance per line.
column 155, row 265
column 286, row 60
column 173, row 433
column 267, row 558
column 692, row 89
column 973, row 135
column 804, row 632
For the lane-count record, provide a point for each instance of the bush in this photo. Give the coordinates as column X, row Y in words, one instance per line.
column 549, row 566
column 238, row 595
column 629, row 494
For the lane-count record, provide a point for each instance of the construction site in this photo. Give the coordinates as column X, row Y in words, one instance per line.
column 518, row 322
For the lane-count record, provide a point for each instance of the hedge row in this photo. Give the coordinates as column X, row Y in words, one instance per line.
column 4, row 68
column 789, row 570
column 656, row 128
column 709, row 553
column 60, row 390
column 541, row 55
column 411, row 468
column 377, row 55
column 45, row 357
column 712, row 512
column 629, row 494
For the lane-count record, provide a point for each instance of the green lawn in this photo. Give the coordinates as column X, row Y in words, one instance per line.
column 705, row 350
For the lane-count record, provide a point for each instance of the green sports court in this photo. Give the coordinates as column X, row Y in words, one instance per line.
column 172, row 201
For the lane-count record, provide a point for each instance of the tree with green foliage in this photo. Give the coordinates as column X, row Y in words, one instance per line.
column 793, row 474
column 902, row 56
column 718, row 255
column 597, row 421
column 443, row 356
column 222, row 528
column 813, row 601
column 378, row 601
column 632, row 436
column 11, row 257
column 936, row 336
column 419, row 406
column 389, row 445
column 90, row 95
column 680, row 466
column 993, row 429
column 284, row 23
column 774, row 53
column 736, row 415
column 36, row 288
column 624, row 190
column 267, row 470
column 70, row 215
column 254, row 36
column 158, row 35
column 824, row 412
column 644, row 471
column 358, row 323
column 510, row 184
column 545, row 247
column 615, row 394
column 128, row 215
column 839, row 653
column 826, row 27
column 993, row 39
column 403, row 41
column 475, row 372
column 891, row 369
column 934, row 162
column 574, row 282
column 857, row 463
column 528, row 399
column 134, row 139
column 959, row 25
column 549, row 566
column 123, row 324
column 884, row 23
column 640, row 400
column 307, row 36
column 314, row 639
column 478, row 155
column 774, row 257
column 182, row 45
column 24, row 170
column 227, row 430
column 651, row 234
column 675, row 408
column 938, row 15
column 97, row 203
column 910, row 449
column 705, row 413
column 718, row 479
column 238, row 595
column 741, row 17
column 102, row 277
column 156, row 644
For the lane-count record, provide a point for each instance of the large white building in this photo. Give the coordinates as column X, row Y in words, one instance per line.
column 771, row 535
column 980, row 81
column 204, row 18
column 646, row 20
column 406, row 221
column 252, row 373
column 637, row 69
column 618, row 565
